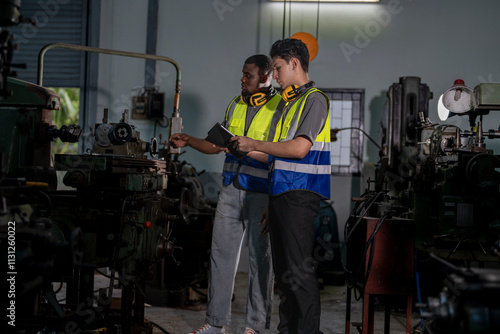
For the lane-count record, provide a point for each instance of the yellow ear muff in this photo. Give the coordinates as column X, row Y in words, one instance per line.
column 258, row 99
column 255, row 100
column 290, row 93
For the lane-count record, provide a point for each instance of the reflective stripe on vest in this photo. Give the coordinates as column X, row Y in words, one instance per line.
column 251, row 174
column 311, row 172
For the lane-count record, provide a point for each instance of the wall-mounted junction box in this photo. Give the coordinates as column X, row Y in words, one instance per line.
column 155, row 105
column 140, row 107
column 148, row 106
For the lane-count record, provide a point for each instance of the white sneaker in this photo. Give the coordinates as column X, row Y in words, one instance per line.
column 207, row 329
column 250, row 331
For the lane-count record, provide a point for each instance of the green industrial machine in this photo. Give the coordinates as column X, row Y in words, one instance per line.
column 34, row 247
column 115, row 213
column 27, row 131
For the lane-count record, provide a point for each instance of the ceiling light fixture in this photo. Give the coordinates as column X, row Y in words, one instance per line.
column 368, row 1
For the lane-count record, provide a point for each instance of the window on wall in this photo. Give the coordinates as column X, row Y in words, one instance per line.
column 346, row 116
column 67, row 114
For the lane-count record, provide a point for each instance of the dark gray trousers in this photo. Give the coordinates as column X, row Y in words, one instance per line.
column 291, row 219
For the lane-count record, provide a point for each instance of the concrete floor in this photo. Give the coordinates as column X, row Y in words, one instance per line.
column 333, row 317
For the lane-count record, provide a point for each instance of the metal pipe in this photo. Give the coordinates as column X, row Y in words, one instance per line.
column 390, row 128
column 116, row 53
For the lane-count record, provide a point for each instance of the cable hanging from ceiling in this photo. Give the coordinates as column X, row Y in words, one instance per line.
column 309, row 40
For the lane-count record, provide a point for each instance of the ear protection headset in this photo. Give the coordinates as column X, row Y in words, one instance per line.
column 292, row 92
column 259, row 98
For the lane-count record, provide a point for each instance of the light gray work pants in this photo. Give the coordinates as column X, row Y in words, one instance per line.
column 237, row 219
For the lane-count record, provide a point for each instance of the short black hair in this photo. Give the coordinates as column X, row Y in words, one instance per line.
column 263, row 62
column 291, row 48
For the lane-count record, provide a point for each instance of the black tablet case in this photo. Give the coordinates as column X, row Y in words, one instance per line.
column 219, row 135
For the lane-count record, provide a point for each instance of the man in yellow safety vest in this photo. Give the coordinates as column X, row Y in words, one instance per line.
column 243, row 201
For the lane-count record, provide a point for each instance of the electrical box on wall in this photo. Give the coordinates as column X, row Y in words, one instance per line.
column 155, row 106
column 140, row 107
column 148, row 105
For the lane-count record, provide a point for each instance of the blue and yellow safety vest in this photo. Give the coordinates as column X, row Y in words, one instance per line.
column 311, row 172
column 251, row 174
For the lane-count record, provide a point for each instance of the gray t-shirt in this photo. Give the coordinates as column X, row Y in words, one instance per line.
column 313, row 116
